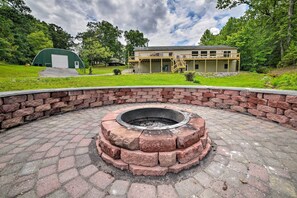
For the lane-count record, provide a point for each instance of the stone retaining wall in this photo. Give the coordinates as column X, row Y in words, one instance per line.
column 17, row 108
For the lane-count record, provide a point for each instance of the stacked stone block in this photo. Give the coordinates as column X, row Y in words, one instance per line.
column 21, row 107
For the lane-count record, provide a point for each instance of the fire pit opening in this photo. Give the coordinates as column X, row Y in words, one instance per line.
column 153, row 118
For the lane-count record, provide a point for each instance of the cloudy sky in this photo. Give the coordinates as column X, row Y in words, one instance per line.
column 164, row 22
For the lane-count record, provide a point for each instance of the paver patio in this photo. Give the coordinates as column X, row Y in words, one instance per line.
column 51, row 158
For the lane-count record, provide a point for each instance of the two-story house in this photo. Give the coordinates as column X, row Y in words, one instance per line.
column 185, row 58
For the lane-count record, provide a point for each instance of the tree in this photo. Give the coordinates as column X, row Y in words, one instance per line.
column 92, row 50
column 207, row 38
column 18, row 5
column 60, row 38
column 38, row 41
column 107, row 35
column 134, row 38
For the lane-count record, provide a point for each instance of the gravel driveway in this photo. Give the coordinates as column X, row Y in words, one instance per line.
column 58, row 72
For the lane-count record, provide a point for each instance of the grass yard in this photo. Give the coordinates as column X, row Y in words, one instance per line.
column 11, row 71
column 24, row 78
column 101, row 70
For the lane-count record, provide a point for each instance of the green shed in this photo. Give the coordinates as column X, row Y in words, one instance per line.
column 58, row 58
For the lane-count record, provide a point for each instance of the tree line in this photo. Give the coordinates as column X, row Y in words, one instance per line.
column 22, row 36
column 266, row 35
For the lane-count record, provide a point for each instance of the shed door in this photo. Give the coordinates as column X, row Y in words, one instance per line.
column 59, row 61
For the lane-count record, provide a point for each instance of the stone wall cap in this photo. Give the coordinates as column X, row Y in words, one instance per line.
column 267, row 91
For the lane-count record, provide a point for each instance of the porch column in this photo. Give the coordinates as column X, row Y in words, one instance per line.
column 194, row 65
column 205, row 66
column 216, row 65
column 161, row 65
column 228, row 65
column 239, row 65
column 150, row 65
column 138, row 66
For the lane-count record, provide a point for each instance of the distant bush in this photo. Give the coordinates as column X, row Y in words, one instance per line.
column 117, row 72
column 190, row 76
column 263, row 70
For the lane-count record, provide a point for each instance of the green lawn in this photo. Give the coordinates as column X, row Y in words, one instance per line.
column 24, row 78
column 101, row 70
column 12, row 71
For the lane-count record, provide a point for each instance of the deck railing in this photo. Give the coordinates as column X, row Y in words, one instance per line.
column 188, row 56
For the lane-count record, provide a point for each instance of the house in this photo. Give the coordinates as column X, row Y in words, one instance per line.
column 58, row 58
column 185, row 58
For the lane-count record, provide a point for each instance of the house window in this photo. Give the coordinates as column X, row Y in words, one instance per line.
column 226, row 66
column 227, row 53
column 213, row 53
column 196, row 66
column 203, row 53
column 194, row 53
column 170, row 53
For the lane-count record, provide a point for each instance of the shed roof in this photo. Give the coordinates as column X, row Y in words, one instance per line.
column 196, row 47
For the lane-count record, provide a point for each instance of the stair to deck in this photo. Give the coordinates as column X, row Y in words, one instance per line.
column 177, row 64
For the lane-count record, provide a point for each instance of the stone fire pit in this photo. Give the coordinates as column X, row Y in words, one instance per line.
column 153, row 140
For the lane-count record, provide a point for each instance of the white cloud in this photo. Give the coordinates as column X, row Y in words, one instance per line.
column 164, row 22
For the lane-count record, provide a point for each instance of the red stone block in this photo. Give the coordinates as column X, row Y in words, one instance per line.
column 291, row 114
column 274, row 97
column 266, row 109
column 231, row 102
column 186, row 155
column 279, row 104
column 34, row 116
column 257, row 113
column 257, row 101
column 199, row 124
column 75, row 102
column 291, row 99
column 109, row 149
column 167, row 159
column 11, row 122
column 59, row 105
column 10, row 107
column 208, row 95
column 231, row 92
column 216, row 100
column 67, row 108
column 148, row 171
column 222, row 96
column 156, row 143
column 204, row 138
column 68, row 98
column 51, row 100
column 280, row 111
column 44, row 107
column 209, row 104
column 139, row 158
column 82, row 97
column 239, row 109
column 293, row 123
column 1, row 101
column 205, row 151
column 124, row 138
column 179, row 167
column 33, row 103
column 15, row 99
column 59, row 94
column 41, row 96
column 222, row 106
column 277, row 118
column 23, row 112
column 239, row 98
column 187, row 136
column 117, row 163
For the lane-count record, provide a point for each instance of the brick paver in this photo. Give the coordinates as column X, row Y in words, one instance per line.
column 50, row 158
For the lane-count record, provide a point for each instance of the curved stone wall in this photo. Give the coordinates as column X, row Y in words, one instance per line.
column 17, row 108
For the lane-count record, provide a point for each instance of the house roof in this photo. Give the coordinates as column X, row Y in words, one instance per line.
column 196, row 47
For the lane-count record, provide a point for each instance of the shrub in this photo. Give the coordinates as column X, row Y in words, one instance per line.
column 285, row 81
column 117, row 72
column 190, row 76
column 263, row 70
